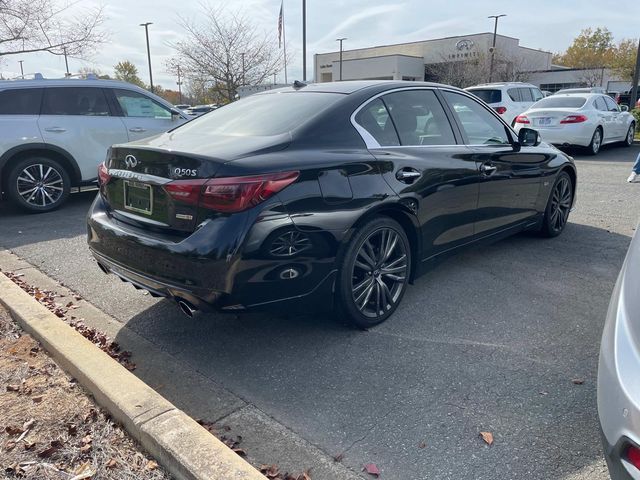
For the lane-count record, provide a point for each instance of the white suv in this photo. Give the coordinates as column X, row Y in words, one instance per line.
column 508, row 99
column 54, row 133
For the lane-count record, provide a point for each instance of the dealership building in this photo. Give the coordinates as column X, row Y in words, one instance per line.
column 419, row 61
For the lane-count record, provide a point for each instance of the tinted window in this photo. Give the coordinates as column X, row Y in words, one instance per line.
column 487, row 95
column 419, row 118
column 263, row 114
column 525, row 95
column 479, row 124
column 611, row 105
column 374, row 118
column 514, row 94
column 600, row 104
column 560, row 102
column 20, row 101
column 74, row 101
column 537, row 94
column 134, row 104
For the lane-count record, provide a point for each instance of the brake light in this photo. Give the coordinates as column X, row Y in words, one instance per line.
column 574, row 119
column 500, row 110
column 632, row 454
column 229, row 194
column 522, row 119
column 103, row 174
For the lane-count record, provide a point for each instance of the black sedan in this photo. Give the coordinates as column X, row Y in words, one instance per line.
column 334, row 194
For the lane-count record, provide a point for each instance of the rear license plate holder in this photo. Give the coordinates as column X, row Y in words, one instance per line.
column 138, row 197
column 544, row 121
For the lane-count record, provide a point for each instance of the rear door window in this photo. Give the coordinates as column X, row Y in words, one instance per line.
column 611, row 105
column 600, row 104
column 514, row 94
column 87, row 101
column 20, row 101
column 537, row 94
column 487, row 95
column 419, row 118
column 374, row 118
column 525, row 95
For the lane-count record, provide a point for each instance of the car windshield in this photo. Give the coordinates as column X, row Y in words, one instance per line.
column 560, row 102
column 263, row 114
column 488, row 95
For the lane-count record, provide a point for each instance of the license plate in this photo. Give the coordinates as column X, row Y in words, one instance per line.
column 138, row 197
column 544, row 121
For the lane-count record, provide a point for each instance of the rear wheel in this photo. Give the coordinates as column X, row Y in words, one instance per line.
column 628, row 141
column 38, row 184
column 596, row 142
column 558, row 206
column 375, row 273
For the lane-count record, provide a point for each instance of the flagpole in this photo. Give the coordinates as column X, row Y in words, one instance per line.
column 284, row 44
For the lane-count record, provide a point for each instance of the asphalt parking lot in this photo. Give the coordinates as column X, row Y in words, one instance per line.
column 489, row 341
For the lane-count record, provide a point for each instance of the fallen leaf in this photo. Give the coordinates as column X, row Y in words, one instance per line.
column 29, row 445
column 37, row 399
column 422, row 445
column 9, row 445
column 12, row 430
column 29, row 424
column 13, row 388
column 111, row 464
column 338, row 457
column 87, row 439
column 151, row 465
column 54, row 446
column 577, row 381
column 371, row 469
column 487, row 437
column 270, row 471
column 72, row 428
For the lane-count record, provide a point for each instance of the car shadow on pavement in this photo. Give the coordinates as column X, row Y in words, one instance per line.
column 490, row 339
column 18, row 228
column 608, row 153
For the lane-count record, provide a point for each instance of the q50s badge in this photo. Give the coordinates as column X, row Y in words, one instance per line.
column 185, row 172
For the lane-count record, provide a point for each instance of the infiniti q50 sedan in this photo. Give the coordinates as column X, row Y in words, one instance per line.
column 334, row 194
column 618, row 386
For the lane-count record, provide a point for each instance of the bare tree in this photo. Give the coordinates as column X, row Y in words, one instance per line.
column 52, row 26
column 227, row 51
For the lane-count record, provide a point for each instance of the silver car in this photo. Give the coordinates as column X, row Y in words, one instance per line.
column 619, row 372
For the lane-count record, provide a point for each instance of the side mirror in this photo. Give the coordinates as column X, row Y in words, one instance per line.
column 624, row 108
column 175, row 114
column 528, row 137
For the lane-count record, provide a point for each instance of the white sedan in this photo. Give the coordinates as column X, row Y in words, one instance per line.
column 586, row 120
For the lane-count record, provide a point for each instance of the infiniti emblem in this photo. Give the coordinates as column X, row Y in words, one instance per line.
column 130, row 161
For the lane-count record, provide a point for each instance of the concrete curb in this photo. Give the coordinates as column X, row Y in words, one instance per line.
column 180, row 444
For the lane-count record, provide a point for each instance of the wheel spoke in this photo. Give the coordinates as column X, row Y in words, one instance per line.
column 368, row 260
column 367, row 295
column 392, row 241
column 378, row 295
column 361, row 285
column 395, row 278
column 26, row 192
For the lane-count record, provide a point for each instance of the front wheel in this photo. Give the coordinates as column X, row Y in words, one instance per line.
column 375, row 273
column 628, row 141
column 558, row 206
column 38, row 184
column 596, row 142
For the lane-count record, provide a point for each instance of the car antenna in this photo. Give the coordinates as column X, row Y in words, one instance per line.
column 298, row 84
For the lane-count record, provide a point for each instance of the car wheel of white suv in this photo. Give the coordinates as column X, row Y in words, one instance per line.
column 38, row 184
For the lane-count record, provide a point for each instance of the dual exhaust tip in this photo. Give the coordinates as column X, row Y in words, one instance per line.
column 185, row 307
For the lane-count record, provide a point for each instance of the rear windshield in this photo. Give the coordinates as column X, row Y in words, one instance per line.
column 560, row 102
column 262, row 115
column 487, row 95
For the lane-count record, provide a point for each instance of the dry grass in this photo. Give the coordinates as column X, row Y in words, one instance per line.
column 69, row 436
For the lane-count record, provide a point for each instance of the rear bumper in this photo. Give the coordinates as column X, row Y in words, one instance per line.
column 577, row 134
column 224, row 264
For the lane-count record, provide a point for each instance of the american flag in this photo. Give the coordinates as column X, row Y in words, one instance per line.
column 280, row 20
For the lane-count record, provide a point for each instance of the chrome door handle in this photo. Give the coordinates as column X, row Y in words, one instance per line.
column 55, row 129
column 407, row 175
column 137, row 129
column 487, row 168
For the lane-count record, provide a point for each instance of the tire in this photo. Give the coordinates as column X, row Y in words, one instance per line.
column 596, row 142
column 556, row 214
column 628, row 141
column 371, row 283
column 27, row 190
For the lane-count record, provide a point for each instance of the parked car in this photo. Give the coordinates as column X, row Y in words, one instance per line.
column 582, row 90
column 54, row 133
column 508, row 99
column 183, row 106
column 618, row 386
column 624, row 98
column 344, row 191
column 586, row 120
column 200, row 110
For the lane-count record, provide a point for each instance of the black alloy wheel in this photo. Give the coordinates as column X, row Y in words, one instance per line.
column 558, row 206
column 375, row 273
column 38, row 184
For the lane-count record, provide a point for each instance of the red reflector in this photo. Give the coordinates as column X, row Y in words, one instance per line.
column 234, row 194
column 574, row 119
column 500, row 110
column 103, row 174
column 522, row 119
column 632, row 455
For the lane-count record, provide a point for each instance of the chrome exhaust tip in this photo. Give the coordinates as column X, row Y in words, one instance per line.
column 186, row 308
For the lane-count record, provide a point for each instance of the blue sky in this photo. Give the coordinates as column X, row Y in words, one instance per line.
column 546, row 24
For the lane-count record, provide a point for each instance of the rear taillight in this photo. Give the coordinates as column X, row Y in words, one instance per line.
column 574, row 119
column 229, row 194
column 500, row 110
column 632, row 455
column 103, row 174
column 522, row 119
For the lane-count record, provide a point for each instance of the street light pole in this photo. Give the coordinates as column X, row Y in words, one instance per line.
column 146, row 31
column 304, row 40
column 493, row 46
column 179, row 82
column 21, row 69
column 242, row 55
column 636, row 75
column 66, row 62
column 341, row 40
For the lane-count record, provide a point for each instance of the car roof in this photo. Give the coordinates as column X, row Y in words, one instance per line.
column 351, row 86
column 485, row 86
